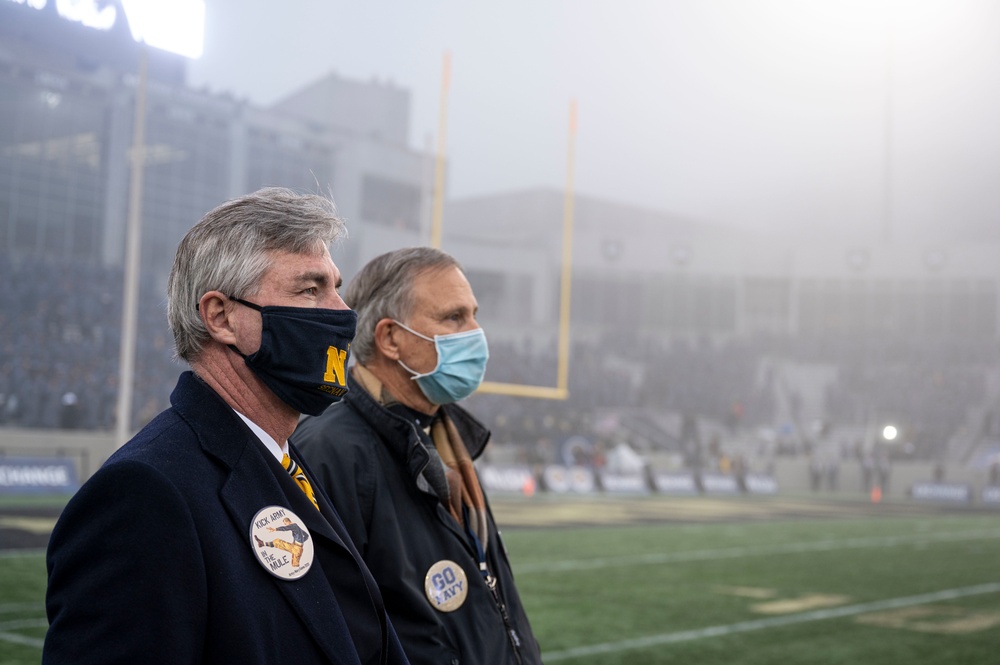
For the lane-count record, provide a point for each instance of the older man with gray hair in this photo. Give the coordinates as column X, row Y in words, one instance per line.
column 396, row 457
column 160, row 557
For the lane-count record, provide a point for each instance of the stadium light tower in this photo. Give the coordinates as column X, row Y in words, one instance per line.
column 133, row 251
column 889, row 433
column 177, row 26
column 182, row 33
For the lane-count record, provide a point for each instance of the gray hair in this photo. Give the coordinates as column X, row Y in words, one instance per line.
column 383, row 289
column 231, row 248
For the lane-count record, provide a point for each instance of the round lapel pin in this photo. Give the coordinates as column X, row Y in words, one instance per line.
column 446, row 586
column 281, row 542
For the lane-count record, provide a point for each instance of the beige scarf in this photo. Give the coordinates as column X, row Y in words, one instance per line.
column 463, row 482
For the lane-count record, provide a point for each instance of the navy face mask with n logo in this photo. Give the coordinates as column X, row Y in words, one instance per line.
column 303, row 354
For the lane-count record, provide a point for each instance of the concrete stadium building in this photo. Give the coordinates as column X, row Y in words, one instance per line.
column 641, row 279
column 652, row 272
column 67, row 99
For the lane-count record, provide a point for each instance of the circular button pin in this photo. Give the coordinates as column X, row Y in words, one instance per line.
column 281, row 542
column 446, row 586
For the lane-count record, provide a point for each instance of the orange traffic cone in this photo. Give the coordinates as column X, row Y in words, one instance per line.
column 876, row 494
column 529, row 487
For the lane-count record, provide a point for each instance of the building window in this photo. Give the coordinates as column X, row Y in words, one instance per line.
column 390, row 203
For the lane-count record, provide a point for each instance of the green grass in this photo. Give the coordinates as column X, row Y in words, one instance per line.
column 22, row 613
column 645, row 595
column 662, row 586
column 29, row 501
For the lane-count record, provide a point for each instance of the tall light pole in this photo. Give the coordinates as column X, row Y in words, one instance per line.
column 133, row 250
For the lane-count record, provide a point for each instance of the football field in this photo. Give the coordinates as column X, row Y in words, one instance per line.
column 692, row 580
column 760, row 582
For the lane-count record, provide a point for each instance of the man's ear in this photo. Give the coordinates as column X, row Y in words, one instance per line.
column 385, row 342
column 215, row 311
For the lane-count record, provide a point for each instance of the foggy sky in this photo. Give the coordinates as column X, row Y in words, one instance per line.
column 763, row 114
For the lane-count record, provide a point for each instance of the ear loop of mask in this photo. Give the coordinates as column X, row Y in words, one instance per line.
column 416, row 375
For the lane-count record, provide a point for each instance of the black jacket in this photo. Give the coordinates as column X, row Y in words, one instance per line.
column 369, row 460
column 152, row 561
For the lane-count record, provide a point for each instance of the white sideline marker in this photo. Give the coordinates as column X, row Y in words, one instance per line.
column 774, row 622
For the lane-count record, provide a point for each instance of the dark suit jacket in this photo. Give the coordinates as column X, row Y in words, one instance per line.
column 153, row 561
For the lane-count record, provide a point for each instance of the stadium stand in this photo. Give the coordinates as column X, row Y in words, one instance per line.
column 697, row 397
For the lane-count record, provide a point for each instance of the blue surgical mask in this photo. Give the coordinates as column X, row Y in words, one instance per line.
column 460, row 366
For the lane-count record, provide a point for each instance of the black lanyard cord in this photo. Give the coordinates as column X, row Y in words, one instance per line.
column 491, row 583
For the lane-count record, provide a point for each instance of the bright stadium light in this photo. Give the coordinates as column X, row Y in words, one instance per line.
column 889, row 433
column 177, row 26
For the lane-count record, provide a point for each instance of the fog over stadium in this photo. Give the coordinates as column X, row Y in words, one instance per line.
column 790, row 117
column 784, row 214
column 737, row 262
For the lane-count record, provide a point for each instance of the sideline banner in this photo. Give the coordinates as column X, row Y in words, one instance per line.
column 624, row 483
column 507, row 478
column 717, row 483
column 675, row 483
column 760, row 483
column 37, row 475
column 949, row 492
column 561, row 479
column 991, row 495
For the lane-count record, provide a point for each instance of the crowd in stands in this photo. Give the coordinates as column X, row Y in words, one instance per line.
column 929, row 396
column 928, row 385
column 59, row 355
column 60, row 328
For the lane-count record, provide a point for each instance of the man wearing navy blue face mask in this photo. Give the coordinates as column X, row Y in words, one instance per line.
column 396, row 457
column 164, row 555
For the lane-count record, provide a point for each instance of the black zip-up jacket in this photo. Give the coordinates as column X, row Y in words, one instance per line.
column 369, row 460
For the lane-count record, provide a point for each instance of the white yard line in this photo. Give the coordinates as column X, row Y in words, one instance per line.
column 764, row 550
column 15, row 638
column 773, row 622
column 14, row 553
column 6, row 608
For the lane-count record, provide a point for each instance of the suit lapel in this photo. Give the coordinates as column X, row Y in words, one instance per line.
column 256, row 480
column 253, row 485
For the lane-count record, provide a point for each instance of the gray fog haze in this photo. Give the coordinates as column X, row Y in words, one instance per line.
column 775, row 115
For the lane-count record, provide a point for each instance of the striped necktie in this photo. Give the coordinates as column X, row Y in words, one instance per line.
column 300, row 477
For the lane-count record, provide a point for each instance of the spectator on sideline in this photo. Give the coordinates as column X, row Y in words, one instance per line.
column 156, row 559
column 396, row 457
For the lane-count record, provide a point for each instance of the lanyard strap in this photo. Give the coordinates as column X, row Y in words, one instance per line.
column 491, row 583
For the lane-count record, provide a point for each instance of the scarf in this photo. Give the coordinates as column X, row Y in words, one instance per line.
column 462, row 496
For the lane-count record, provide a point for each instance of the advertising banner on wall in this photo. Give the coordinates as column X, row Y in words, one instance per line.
column 562, row 479
column 991, row 495
column 507, row 479
column 760, row 483
column 717, row 483
column 624, row 483
column 675, row 483
column 947, row 492
column 37, row 475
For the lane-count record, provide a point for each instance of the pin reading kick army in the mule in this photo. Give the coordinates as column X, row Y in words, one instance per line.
column 288, row 557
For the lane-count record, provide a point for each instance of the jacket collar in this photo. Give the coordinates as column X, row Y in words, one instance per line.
column 224, row 436
column 255, row 480
column 393, row 427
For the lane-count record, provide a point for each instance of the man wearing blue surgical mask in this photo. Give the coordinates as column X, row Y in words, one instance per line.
column 396, row 458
